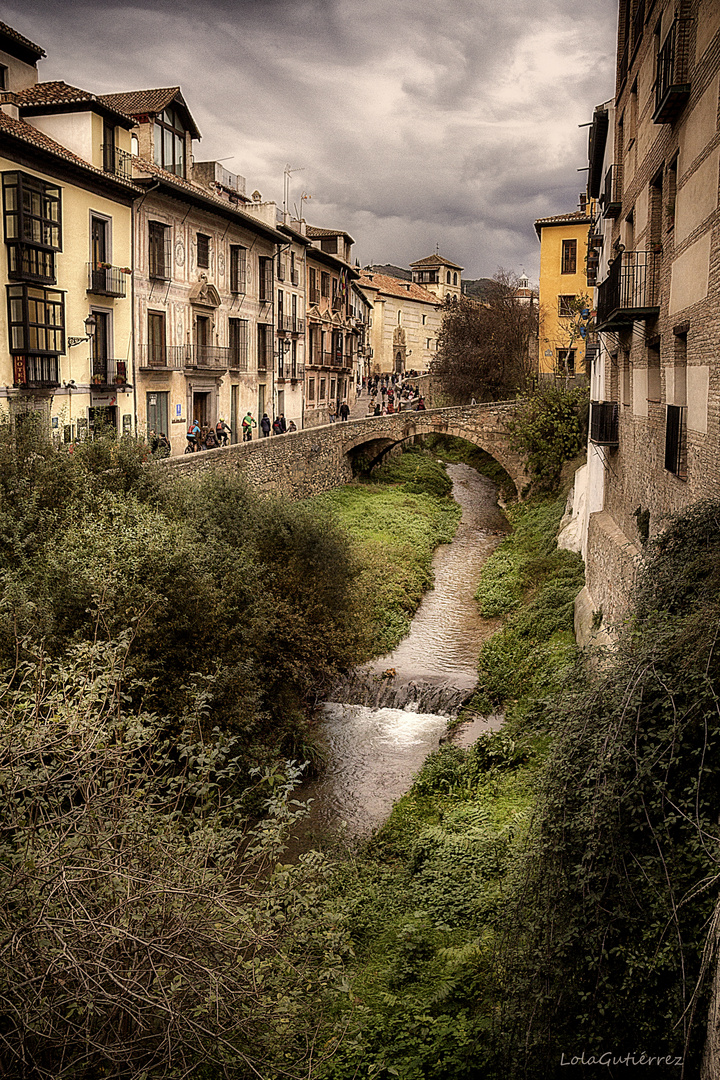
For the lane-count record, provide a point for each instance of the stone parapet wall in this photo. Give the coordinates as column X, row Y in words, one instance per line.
column 318, row 459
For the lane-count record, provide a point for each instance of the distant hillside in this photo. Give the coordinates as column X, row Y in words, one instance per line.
column 481, row 287
column 391, row 271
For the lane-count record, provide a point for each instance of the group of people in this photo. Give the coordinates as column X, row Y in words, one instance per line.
column 205, row 437
column 159, row 444
column 342, row 410
column 389, row 395
column 279, row 426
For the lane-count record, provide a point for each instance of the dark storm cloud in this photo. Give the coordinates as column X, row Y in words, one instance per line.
column 414, row 122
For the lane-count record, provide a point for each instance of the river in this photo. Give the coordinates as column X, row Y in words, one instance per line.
column 395, row 710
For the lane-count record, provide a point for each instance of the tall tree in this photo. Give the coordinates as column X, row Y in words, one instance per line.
column 485, row 347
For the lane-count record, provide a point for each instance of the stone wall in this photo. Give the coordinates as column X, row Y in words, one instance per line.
column 318, row 459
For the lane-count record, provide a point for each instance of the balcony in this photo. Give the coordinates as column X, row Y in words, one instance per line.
column 611, row 197
column 298, row 326
column 215, row 357
column 604, row 423
column 314, row 295
column 672, row 88
column 630, row 290
column 36, row 372
column 106, row 280
column 338, row 302
column 32, row 264
column 284, row 323
column 286, row 369
column 107, row 372
column 117, row 161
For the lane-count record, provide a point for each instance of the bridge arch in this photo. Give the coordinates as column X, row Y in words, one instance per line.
column 485, row 426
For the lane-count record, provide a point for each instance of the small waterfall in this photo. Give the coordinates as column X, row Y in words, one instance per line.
column 385, row 691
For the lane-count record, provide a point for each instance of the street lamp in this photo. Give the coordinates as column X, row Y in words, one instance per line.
column 90, row 324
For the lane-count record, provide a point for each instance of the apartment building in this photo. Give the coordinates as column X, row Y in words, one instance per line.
column 406, row 320
column 66, row 259
column 654, row 156
column 564, row 294
column 204, row 279
column 332, row 332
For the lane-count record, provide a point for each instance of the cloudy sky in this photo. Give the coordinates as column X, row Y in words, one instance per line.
column 414, row 122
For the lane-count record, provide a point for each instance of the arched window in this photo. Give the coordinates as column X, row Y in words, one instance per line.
column 399, row 318
column 448, row 277
column 134, row 145
column 454, row 279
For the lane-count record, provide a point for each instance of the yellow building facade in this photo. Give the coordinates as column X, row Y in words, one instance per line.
column 66, row 331
column 563, row 285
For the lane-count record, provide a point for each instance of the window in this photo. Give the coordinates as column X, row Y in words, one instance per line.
column 676, row 441
column 311, row 390
column 264, row 346
column 159, row 261
column 170, row 141
column 280, row 268
column 238, row 269
column 333, row 385
column 569, row 256
column 31, row 211
column 399, row 318
column 134, row 145
column 156, row 353
column 266, row 280
column 314, row 291
column 157, row 412
column 330, row 244
column 337, row 348
column 3, row 77
column 448, row 277
column 36, row 320
column 324, row 283
column 565, row 362
column 203, row 251
column 238, row 344
column 293, row 269
column 565, row 306
column 424, row 319
column 280, row 312
column 321, row 394
column 455, row 279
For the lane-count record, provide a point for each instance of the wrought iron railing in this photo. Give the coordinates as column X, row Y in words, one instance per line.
column 298, row 326
column 117, row 161
column 289, row 369
column 671, row 86
column 106, row 280
column 284, row 323
column 631, row 286
column 612, row 191
column 182, row 356
column 604, row 423
column 107, row 371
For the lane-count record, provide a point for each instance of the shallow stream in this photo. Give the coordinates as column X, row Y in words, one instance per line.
column 394, row 711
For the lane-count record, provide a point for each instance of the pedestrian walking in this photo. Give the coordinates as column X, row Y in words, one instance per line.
column 265, row 425
column 344, row 410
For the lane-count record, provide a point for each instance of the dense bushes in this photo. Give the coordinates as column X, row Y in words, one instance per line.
column 551, row 429
column 254, row 595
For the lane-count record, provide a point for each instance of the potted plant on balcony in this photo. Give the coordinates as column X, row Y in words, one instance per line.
column 96, row 380
column 104, row 266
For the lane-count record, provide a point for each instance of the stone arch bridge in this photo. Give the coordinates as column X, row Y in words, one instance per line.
column 318, row 459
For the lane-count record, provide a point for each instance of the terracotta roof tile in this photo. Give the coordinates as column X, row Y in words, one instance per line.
column 406, row 290
column 26, row 42
column 436, row 260
column 59, row 93
column 316, row 233
column 143, row 102
column 30, row 135
column 579, row 216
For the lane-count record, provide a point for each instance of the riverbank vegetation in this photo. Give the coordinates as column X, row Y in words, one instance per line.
column 550, row 892
column 395, row 518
